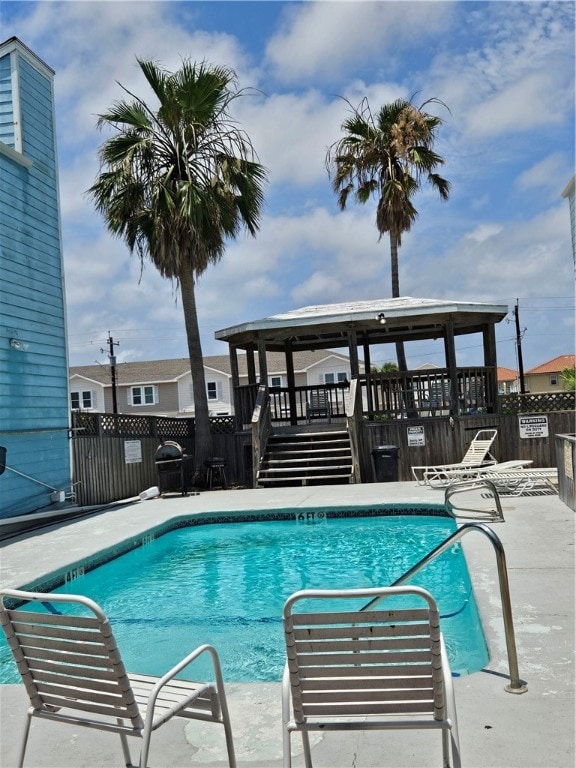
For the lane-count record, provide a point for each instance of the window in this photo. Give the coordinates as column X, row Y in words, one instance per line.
column 214, row 390
column 554, row 380
column 275, row 381
column 332, row 378
column 144, row 395
column 81, row 400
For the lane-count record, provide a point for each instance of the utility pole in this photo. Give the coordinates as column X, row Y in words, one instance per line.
column 112, row 358
column 519, row 347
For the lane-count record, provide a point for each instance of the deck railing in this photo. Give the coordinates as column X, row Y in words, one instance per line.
column 261, row 427
column 244, row 403
column 415, row 394
column 332, row 396
column 392, row 395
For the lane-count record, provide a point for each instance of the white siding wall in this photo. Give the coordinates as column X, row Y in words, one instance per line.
column 217, row 383
column 97, row 390
column 331, row 365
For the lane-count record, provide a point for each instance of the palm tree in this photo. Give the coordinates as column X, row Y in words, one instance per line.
column 568, row 376
column 387, row 155
column 175, row 183
column 387, row 367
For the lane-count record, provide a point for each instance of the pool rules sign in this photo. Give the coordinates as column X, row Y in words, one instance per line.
column 533, row 426
column 416, row 436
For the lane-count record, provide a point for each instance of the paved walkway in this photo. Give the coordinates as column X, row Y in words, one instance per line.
column 497, row 729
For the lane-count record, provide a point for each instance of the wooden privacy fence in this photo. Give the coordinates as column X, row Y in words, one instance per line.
column 113, row 455
column 446, row 441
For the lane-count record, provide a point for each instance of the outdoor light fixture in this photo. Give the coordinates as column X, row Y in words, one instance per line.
column 381, row 317
column 19, row 345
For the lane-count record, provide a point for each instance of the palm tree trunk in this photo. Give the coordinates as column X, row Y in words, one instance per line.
column 203, row 437
column 400, row 353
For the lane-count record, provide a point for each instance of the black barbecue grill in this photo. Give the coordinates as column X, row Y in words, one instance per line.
column 173, row 467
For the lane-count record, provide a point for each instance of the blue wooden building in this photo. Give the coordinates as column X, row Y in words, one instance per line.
column 34, row 410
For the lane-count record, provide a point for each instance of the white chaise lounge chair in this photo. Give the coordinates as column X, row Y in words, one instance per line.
column 477, row 455
column 512, row 480
column 382, row 668
column 447, row 476
column 73, row 673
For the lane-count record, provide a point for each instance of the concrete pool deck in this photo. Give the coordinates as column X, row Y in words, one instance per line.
column 497, row 729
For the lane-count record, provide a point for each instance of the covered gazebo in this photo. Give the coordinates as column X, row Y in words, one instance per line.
column 359, row 326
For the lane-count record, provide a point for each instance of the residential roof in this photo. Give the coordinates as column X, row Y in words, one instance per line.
column 379, row 321
column 154, row 371
column 506, row 374
column 555, row 365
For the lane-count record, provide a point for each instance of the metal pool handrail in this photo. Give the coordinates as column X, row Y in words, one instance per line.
column 516, row 685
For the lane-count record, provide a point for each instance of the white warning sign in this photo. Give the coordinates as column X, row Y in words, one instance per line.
column 533, row 426
column 133, row 451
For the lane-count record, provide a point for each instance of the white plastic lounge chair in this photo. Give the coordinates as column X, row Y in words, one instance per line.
column 516, row 481
column 477, row 455
column 445, row 477
column 73, row 673
column 382, row 668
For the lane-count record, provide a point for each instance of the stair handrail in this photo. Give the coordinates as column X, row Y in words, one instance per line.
column 353, row 416
column 261, row 428
column 516, row 685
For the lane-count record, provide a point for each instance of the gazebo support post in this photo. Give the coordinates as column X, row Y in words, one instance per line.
column 233, row 353
column 368, row 371
column 450, row 352
column 251, row 365
column 262, row 362
column 291, row 381
column 489, row 342
column 353, row 352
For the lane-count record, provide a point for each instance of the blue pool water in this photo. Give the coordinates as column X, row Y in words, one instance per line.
column 226, row 584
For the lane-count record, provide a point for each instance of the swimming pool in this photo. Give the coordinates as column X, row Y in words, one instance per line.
column 226, row 584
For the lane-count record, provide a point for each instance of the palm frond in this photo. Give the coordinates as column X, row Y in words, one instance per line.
column 177, row 181
column 387, row 154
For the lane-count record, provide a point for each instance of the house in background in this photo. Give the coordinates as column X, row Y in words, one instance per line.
column 34, row 415
column 507, row 381
column 547, row 377
column 164, row 387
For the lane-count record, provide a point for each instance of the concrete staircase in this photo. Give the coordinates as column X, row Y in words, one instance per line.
column 307, row 455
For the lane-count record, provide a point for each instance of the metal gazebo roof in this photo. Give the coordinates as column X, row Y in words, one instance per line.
column 378, row 321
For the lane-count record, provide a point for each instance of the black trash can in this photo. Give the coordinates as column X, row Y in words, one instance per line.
column 385, row 458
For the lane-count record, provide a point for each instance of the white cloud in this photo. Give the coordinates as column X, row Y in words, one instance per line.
column 530, row 102
column 92, row 45
column 516, row 77
column 291, row 133
column 483, row 232
column 315, row 289
column 326, row 39
column 545, row 174
column 524, row 258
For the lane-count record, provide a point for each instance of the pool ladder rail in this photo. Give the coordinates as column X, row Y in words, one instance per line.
column 487, row 491
column 516, row 685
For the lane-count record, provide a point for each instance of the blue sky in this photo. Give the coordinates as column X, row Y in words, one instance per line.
column 504, row 69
